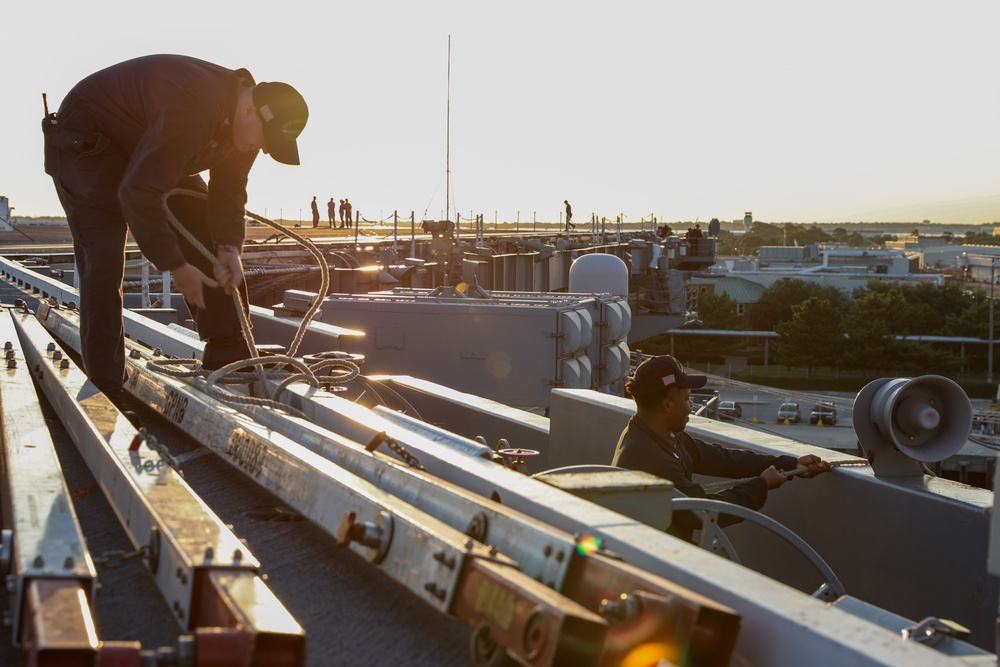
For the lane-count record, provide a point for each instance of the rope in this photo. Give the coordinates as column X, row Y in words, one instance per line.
column 324, row 278
column 182, row 230
column 715, row 487
column 370, row 386
column 229, row 374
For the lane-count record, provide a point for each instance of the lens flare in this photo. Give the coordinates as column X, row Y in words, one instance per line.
column 588, row 544
column 651, row 655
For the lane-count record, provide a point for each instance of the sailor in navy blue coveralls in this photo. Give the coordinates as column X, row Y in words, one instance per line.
column 124, row 137
column 654, row 441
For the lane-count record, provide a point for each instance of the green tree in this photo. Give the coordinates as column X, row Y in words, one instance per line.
column 890, row 305
column 775, row 304
column 726, row 243
column 716, row 311
column 929, row 306
column 760, row 234
column 917, row 309
column 813, row 337
column 980, row 238
column 873, row 345
column 858, row 241
column 806, row 235
column 973, row 320
column 765, row 234
column 925, row 358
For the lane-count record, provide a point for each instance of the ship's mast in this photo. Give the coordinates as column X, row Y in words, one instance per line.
column 447, row 159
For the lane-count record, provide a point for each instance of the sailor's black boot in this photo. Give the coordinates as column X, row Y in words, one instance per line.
column 224, row 350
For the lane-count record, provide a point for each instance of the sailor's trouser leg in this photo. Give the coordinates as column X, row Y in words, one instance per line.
column 99, row 245
column 218, row 323
column 86, row 172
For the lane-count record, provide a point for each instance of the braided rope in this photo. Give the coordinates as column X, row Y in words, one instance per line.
column 324, row 286
column 182, row 230
column 351, row 368
column 715, row 487
column 181, row 368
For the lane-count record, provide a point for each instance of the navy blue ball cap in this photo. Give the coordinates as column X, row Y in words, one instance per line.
column 283, row 114
column 657, row 374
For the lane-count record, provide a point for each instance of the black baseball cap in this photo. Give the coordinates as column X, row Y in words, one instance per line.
column 283, row 114
column 657, row 374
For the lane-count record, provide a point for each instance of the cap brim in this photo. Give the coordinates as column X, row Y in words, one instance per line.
column 282, row 149
column 694, row 381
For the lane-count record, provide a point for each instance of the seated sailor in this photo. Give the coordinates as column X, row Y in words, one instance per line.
column 655, row 441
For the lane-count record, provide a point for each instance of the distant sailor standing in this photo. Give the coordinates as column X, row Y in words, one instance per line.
column 348, row 212
column 569, row 215
column 331, row 211
column 315, row 212
column 126, row 136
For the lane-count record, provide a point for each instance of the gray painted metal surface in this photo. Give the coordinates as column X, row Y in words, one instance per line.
column 417, row 550
column 834, row 512
column 753, row 597
column 511, row 350
column 915, row 546
column 46, row 539
column 783, row 625
column 158, row 508
column 771, row 611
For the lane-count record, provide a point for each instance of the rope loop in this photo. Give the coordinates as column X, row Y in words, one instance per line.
column 262, row 368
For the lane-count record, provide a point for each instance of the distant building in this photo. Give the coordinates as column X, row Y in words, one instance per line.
column 981, row 265
column 950, row 256
column 5, row 214
column 782, row 256
column 744, row 292
column 914, row 242
column 842, row 268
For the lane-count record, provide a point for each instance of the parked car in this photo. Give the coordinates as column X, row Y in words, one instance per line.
column 730, row 410
column 789, row 411
column 704, row 403
column 825, row 411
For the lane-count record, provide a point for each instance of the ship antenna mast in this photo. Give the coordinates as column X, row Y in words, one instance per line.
column 447, row 159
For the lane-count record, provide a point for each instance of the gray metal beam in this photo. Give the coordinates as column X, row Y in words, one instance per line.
column 185, row 542
column 44, row 541
column 780, row 624
column 773, row 613
column 438, row 563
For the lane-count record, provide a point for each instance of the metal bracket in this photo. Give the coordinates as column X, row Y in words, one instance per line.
column 932, row 630
column 6, row 550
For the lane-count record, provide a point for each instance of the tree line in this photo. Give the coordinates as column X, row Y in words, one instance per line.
column 787, row 233
column 771, row 234
column 822, row 326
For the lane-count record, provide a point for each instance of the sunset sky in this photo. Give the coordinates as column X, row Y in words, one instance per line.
column 796, row 111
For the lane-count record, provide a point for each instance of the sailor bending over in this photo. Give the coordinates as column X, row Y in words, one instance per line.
column 126, row 136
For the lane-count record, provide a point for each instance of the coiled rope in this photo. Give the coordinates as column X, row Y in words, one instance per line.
column 277, row 364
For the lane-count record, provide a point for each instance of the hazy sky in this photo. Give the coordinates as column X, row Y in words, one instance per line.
column 796, row 111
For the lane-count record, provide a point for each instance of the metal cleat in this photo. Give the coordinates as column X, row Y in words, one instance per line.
column 931, row 631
